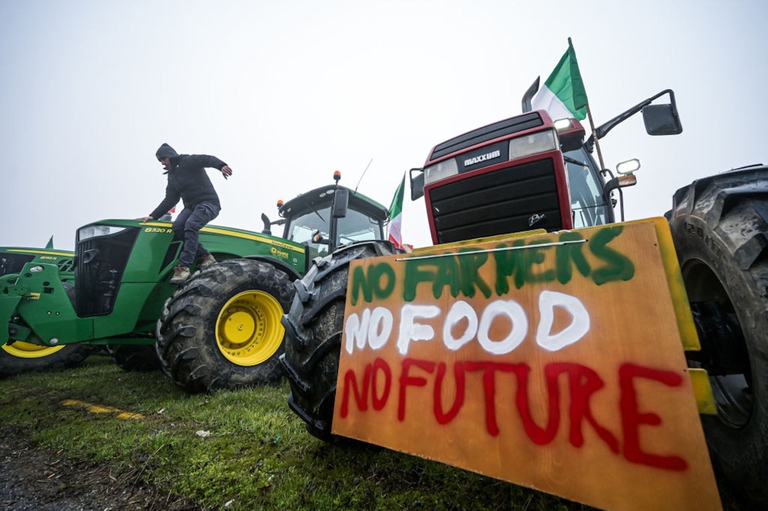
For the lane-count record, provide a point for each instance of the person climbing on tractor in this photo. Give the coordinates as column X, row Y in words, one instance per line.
column 188, row 181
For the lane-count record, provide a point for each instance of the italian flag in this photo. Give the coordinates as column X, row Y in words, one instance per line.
column 563, row 95
column 396, row 216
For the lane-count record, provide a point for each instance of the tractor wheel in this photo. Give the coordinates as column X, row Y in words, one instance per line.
column 140, row 358
column 720, row 229
column 22, row 357
column 313, row 331
column 221, row 329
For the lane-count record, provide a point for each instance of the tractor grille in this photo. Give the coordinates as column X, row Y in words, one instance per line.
column 486, row 133
column 99, row 265
column 498, row 202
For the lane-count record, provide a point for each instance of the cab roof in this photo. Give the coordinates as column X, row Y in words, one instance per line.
column 322, row 196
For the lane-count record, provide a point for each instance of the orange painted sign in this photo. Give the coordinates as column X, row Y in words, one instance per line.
column 553, row 361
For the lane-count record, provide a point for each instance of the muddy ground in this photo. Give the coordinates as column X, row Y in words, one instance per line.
column 39, row 479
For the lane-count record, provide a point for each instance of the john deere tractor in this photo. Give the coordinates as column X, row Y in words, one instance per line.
column 19, row 356
column 528, row 172
column 212, row 333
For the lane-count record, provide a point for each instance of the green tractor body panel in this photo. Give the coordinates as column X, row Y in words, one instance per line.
column 13, row 259
column 121, row 274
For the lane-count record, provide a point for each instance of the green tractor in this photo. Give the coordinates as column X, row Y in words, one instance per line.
column 122, row 270
column 222, row 328
column 18, row 356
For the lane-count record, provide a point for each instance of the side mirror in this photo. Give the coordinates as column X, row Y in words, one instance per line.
column 417, row 184
column 661, row 120
column 318, row 238
column 340, row 203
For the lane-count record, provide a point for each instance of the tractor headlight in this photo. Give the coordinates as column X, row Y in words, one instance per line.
column 93, row 231
column 532, row 144
column 440, row 171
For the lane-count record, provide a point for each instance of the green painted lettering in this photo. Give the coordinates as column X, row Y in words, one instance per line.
column 360, row 282
column 371, row 284
column 416, row 272
column 617, row 266
column 569, row 255
column 535, row 256
column 447, row 275
column 509, row 263
column 470, row 263
column 379, row 273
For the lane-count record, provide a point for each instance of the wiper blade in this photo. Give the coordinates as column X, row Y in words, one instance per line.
column 575, row 162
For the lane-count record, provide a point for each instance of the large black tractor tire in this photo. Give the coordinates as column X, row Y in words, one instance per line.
column 23, row 357
column 720, row 229
column 221, row 329
column 140, row 358
column 313, row 331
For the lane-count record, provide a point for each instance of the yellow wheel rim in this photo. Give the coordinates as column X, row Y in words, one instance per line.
column 21, row 349
column 248, row 329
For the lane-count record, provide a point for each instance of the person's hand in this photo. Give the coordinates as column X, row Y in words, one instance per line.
column 226, row 171
column 145, row 218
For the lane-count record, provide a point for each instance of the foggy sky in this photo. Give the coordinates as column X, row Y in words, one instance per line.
column 288, row 92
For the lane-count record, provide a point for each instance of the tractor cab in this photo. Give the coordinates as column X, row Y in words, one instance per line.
column 330, row 216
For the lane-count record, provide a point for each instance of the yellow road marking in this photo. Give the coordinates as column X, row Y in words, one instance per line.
column 101, row 409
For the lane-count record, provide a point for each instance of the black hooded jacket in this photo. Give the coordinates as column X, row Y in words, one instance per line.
column 187, row 180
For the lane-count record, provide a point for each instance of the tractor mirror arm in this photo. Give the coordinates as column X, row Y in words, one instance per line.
column 604, row 128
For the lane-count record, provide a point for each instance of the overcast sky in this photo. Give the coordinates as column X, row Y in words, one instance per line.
column 286, row 92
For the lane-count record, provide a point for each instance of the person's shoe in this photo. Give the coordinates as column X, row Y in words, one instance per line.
column 180, row 274
column 205, row 261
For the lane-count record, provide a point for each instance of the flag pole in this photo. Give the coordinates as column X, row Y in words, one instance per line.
column 589, row 112
column 594, row 135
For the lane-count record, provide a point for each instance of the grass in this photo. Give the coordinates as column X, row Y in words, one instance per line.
column 238, row 450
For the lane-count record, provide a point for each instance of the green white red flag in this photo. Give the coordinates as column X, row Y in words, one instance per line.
column 563, row 95
column 396, row 216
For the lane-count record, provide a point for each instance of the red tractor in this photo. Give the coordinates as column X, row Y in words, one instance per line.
column 529, row 172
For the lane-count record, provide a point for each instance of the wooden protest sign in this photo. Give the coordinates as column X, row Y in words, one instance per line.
column 553, row 361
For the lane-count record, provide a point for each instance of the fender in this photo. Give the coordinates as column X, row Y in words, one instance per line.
column 292, row 273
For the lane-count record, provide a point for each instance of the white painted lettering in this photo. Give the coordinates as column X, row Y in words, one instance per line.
column 412, row 331
column 579, row 326
column 515, row 313
column 459, row 311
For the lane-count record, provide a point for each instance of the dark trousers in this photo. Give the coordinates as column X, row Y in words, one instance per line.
column 187, row 227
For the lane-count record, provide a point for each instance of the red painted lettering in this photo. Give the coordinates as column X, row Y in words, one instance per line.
column 458, row 401
column 380, row 365
column 361, row 397
column 539, row 435
column 631, row 418
column 583, row 382
column 416, row 381
column 489, row 389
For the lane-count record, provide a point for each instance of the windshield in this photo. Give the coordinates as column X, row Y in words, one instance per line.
column 303, row 227
column 585, row 186
column 356, row 226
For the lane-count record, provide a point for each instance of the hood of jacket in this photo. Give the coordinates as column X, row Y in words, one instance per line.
column 166, row 151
